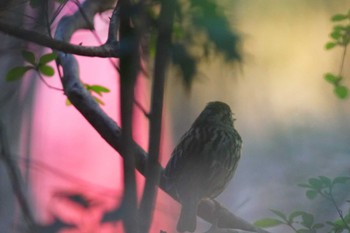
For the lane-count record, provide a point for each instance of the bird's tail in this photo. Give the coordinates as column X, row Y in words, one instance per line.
column 188, row 217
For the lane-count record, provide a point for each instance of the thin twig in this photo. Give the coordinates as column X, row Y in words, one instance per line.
column 58, row 11
column 343, row 60
column 47, row 84
column 142, row 109
column 339, row 211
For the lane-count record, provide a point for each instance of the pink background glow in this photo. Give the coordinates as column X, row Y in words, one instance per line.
column 68, row 155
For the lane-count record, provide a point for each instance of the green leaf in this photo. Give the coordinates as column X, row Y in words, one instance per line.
column 335, row 35
column 338, row 28
column 46, row 70
column 311, row 194
column 185, row 62
column 331, row 78
column 97, row 89
column 338, row 17
column 17, row 73
column 340, row 180
column 294, row 215
column 279, row 214
column 178, row 32
column 338, row 225
column 28, row 56
column 267, row 222
column 330, row 45
column 68, row 103
column 326, row 181
column 207, row 16
column 341, row 91
column 315, row 183
column 308, row 220
column 46, row 58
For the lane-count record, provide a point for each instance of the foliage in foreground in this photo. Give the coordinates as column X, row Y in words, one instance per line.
column 340, row 37
column 303, row 222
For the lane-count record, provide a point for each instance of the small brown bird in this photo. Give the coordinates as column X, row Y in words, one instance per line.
column 204, row 161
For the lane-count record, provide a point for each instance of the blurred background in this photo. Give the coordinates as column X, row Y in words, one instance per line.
column 292, row 125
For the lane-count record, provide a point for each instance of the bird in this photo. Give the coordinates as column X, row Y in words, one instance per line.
column 204, row 161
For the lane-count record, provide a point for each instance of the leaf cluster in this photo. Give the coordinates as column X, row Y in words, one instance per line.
column 323, row 186
column 299, row 221
column 303, row 222
column 340, row 37
column 200, row 30
column 340, row 90
column 202, row 26
column 96, row 91
column 40, row 65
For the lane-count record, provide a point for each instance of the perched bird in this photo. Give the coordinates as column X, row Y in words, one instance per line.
column 204, row 161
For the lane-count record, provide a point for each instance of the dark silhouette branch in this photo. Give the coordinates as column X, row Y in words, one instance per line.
column 114, row 25
column 163, row 53
column 129, row 66
column 106, row 50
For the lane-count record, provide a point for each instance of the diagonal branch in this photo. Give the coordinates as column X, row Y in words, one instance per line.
column 105, row 50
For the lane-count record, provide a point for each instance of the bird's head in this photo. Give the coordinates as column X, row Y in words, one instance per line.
column 215, row 112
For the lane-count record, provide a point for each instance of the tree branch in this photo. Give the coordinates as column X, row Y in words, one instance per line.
column 129, row 64
column 163, row 53
column 105, row 50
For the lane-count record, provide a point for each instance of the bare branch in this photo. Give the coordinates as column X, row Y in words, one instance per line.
column 106, row 50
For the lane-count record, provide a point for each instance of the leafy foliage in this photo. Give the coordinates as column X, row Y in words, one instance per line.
column 303, row 222
column 17, row 73
column 97, row 89
column 40, row 65
column 340, row 37
column 299, row 221
column 200, row 29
